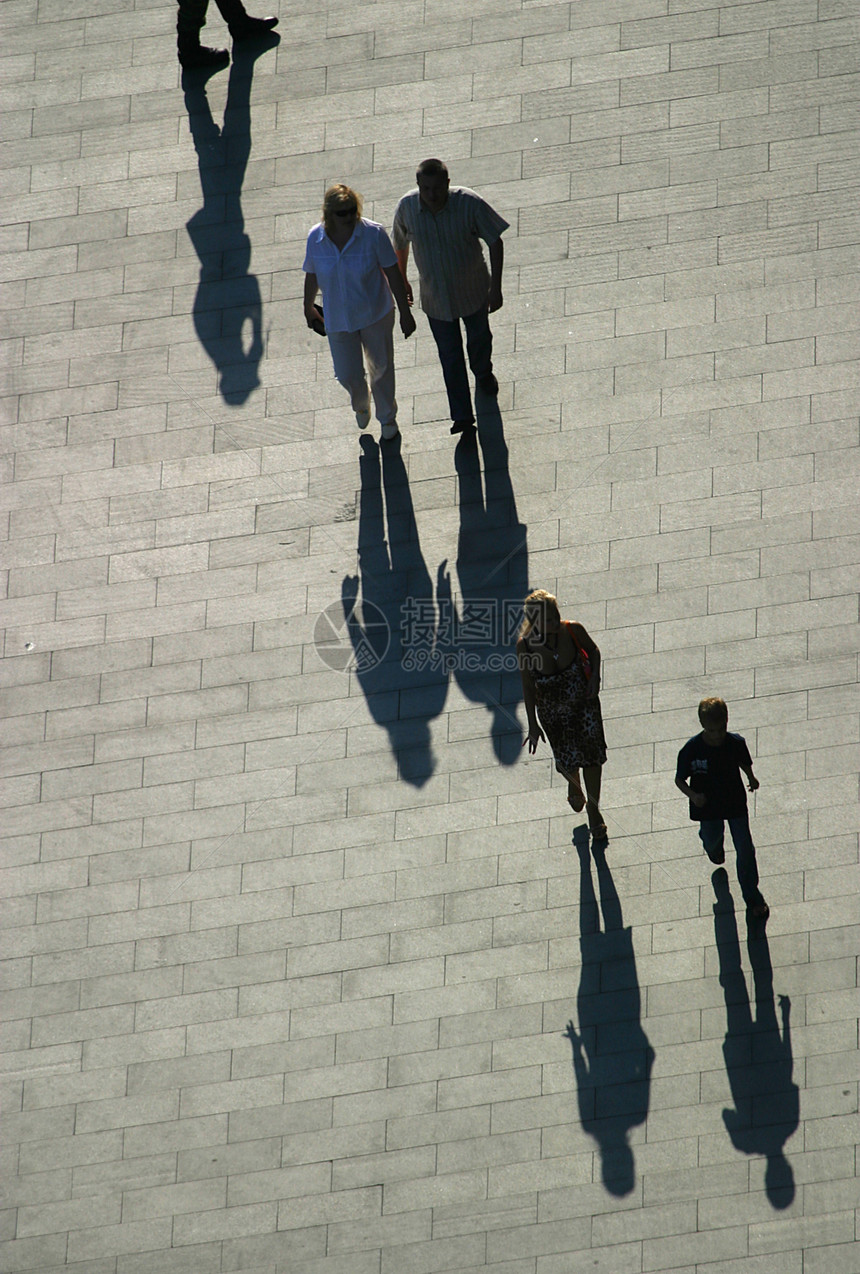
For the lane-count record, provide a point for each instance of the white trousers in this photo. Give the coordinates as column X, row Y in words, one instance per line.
column 376, row 342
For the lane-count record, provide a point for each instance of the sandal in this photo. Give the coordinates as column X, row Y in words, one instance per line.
column 577, row 801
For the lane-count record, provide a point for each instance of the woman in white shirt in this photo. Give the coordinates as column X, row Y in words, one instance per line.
column 351, row 261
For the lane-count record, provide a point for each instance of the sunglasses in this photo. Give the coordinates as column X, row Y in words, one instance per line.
column 346, row 212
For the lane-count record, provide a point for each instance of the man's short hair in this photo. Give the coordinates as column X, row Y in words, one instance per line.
column 431, row 168
column 713, row 711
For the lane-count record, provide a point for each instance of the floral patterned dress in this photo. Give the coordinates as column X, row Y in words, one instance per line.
column 573, row 724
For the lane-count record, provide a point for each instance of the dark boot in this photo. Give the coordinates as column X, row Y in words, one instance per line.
column 194, row 55
column 248, row 28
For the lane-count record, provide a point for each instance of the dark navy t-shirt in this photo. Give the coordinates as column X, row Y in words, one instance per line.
column 716, row 771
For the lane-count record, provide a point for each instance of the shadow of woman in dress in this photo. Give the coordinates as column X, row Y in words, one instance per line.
column 612, row 1057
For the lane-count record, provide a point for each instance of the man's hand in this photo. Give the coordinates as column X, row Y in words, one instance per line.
column 495, row 300
column 698, row 799
column 752, row 783
column 407, row 323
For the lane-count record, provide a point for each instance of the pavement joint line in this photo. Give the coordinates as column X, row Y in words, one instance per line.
column 578, row 485
column 266, row 800
column 396, row 1091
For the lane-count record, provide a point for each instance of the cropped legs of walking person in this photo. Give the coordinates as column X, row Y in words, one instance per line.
column 587, row 799
column 192, row 17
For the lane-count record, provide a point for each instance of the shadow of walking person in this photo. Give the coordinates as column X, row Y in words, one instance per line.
column 394, row 630
column 228, row 309
column 612, row 1057
column 758, row 1058
column 492, row 568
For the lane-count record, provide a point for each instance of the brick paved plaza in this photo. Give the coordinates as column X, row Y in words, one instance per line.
column 309, row 969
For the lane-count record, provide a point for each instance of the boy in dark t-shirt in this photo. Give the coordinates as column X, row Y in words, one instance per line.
column 709, row 773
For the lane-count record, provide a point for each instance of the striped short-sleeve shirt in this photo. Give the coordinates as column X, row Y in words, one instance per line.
column 446, row 245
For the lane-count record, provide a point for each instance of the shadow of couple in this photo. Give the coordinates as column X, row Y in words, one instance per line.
column 411, row 635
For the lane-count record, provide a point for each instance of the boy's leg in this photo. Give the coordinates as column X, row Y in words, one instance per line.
column 747, row 865
column 378, row 342
column 711, row 834
column 449, row 343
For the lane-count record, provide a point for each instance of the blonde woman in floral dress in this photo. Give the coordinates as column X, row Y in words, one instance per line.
column 560, row 669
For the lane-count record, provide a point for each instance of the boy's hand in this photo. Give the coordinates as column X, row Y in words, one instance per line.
column 752, row 783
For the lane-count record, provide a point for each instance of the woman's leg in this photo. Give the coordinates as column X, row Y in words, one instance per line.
column 378, row 342
column 575, row 795
column 349, row 367
column 591, row 774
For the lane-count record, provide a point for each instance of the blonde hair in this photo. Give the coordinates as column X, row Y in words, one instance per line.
column 713, row 711
column 538, row 602
column 336, row 197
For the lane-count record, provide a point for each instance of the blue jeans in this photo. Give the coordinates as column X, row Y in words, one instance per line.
column 479, row 346
column 711, row 833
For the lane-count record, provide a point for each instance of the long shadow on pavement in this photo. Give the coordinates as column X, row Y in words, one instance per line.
column 404, row 694
column 612, row 1057
column 758, row 1057
column 492, row 569
column 228, row 308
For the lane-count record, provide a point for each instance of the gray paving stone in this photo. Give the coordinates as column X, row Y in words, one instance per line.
column 686, row 175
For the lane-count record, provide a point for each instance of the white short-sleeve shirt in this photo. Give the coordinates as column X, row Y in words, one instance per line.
column 355, row 292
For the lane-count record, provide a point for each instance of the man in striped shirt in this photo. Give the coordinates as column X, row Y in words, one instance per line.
column 444, row 225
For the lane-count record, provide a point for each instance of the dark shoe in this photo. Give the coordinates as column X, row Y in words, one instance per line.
column 718, row 856
column 577, row 801
column 599, row 834
column 460, row 426
column 252, row 28
column 760, row 910
column 201, row 57
column 489, row 385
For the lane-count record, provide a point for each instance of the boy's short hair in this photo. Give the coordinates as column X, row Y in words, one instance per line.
column 713, row 711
